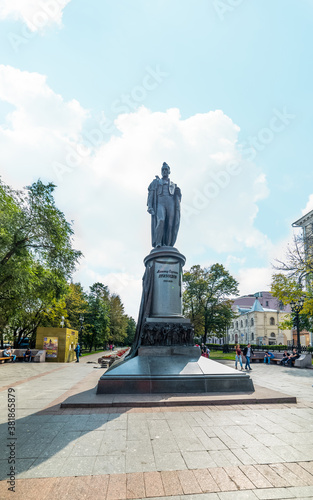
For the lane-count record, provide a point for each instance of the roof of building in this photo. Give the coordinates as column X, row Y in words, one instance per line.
column 256, row 306
column 303, row 220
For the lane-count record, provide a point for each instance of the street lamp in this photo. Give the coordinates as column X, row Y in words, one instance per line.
column 80, row 339
column 296, row 307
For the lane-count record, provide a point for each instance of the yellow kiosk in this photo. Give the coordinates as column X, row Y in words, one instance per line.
column 59, row 343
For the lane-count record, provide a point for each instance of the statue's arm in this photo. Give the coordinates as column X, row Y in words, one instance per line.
column 151, row 196
column 178, row 193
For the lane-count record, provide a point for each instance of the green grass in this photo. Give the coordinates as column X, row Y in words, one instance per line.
column 222, row 355
column 229, row 355
column 92, row 352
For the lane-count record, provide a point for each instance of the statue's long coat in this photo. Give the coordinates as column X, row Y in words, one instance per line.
column 154, row 190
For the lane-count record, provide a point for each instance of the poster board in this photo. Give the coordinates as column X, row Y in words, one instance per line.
column 50, row 345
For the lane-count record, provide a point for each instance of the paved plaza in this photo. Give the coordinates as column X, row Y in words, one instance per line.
column 210, row 451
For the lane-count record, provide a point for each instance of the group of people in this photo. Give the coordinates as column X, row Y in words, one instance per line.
column 287, row 359
column 7, row 353
column 247, row 352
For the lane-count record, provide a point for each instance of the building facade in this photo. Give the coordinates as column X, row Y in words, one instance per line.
column 258, row 324
column 306, row 224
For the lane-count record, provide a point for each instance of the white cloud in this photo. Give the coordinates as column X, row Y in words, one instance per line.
column 104, row 188
column 36, row 14
column 40, row 127
column 309, row 205
column 254, row 279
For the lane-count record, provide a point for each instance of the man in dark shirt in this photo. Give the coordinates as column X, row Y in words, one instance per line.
column 28, row 355
column 285, row 358
column 292, row 358
column 248, row 352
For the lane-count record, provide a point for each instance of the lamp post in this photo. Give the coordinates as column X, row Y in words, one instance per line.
column 296, row 307
column 80, row 339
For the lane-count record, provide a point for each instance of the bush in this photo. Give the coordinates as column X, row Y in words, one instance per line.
column 256, row 347
column 215, row 347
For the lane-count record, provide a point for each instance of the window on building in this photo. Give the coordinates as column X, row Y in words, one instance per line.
column 246, row 322
column 272, row 321
column 273, row 334
column 266, row 303
column 236, row 324
column 241, row 323
column 252, row 336
column 232, row 324
column 252, row 322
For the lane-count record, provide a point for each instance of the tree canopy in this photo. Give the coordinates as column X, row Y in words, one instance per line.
column 206, row 299
column 294, row 280
column 36, row 256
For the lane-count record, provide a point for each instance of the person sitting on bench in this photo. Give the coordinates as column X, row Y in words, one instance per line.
column 292, row 358
column 284, row 358
column 28, row 355
column 8, row 353
column 268, row 356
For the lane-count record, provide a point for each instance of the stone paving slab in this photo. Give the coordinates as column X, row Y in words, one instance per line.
column 178, row 484
column 196, row 451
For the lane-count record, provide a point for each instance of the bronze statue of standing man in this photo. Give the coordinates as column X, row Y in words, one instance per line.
column 164, row 199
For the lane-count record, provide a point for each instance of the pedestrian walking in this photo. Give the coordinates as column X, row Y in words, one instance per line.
column 248, row 352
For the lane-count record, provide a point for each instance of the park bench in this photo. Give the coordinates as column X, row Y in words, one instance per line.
column 37, row 355
column 258, row 356
column 305, row 360
column 5, row 358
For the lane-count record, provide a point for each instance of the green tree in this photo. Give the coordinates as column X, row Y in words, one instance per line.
column 287, row 289
column 206, row 299
column 77, row 305
column 54, row 314
column 118, row 320
column 130, row 331
column 36, row 257
column 97, row 319
column 295, row 272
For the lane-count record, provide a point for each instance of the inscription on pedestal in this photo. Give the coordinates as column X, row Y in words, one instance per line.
column 167, row 288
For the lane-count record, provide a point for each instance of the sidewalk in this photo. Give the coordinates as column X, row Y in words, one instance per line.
column 209, row 452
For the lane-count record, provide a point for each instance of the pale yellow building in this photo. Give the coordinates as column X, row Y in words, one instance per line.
column 259, row 325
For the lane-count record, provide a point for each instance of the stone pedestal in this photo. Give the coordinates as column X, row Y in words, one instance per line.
column 167, row 263
column 172, row 369
column 164, row 358
column 165, row 324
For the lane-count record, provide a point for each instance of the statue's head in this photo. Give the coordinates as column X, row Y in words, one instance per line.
column 165, row 168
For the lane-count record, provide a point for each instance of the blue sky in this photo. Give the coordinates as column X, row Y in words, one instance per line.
column 250, row 59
